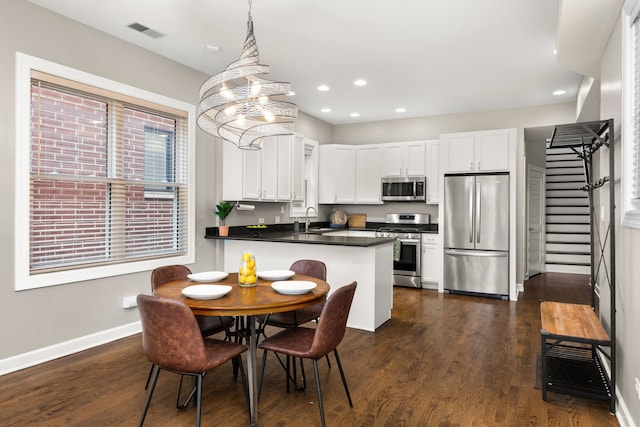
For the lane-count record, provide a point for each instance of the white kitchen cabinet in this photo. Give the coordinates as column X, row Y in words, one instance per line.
column 260, row 180
column 337, row 174
column 433, row 172
column 368, row 174
column 404, row 158
column 290, row 173
column 273, row 173
column 232, row 172
column 430, row 267
column 477, row 151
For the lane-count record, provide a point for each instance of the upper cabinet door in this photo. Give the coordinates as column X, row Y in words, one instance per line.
column 269, row 169
column 251, row 174
column 415, row 158
column 345, row 173
column 458, row 155
column 368, row 176
column 393, row 160
column 337, row 176
column 485, row 151
column 297, row 168
column 492, row 150
column 433, row 172
column 404, row 158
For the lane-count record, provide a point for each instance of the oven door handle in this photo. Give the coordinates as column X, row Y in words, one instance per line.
column 417, row 241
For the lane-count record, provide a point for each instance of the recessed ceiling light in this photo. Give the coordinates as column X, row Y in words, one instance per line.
column 326, row 110
column 291, row 93
column 355, row 114
column 401, row 110
column 323, row 88
column 360, row 82
column 560, row 92
column 212, row 49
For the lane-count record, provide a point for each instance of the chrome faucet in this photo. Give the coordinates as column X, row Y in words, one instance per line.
column 306, row 217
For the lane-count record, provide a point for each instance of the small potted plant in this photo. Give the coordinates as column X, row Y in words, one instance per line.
column 223, row 209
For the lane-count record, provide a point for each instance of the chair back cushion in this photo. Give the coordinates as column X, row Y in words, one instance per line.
column 333, row 321
column 168, row 273
column 171, row 337
column 310, row 267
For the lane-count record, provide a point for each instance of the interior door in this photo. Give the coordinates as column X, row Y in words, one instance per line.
column 535, row 220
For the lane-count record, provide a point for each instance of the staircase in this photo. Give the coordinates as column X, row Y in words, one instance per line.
column 568, row 235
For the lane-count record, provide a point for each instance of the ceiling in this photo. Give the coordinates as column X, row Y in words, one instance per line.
column 430, row 57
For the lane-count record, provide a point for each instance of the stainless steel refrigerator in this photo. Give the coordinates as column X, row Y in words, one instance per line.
column 476, row 233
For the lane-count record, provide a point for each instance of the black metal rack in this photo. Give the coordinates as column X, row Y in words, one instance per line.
column 574, row 365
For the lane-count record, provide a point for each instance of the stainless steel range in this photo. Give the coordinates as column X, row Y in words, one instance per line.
column 407, row 229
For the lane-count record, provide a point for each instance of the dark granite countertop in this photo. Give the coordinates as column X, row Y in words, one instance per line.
column 284, row 233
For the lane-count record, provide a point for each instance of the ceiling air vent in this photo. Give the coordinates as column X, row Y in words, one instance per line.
column 145, row 30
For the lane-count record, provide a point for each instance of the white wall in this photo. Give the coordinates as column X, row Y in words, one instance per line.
column 627, row 245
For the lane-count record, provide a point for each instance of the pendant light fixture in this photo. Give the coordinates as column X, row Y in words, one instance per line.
column 241, row 106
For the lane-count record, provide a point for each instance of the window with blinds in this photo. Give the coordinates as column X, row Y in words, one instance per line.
column 631, row 114
column 635, row 125
column 107, row 178
column 108, row 181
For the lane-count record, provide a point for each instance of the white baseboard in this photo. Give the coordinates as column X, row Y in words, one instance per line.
column 622, row 412
column 572, row 269
column 45, row 354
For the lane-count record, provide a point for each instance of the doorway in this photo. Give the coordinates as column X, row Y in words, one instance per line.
column 535, row 220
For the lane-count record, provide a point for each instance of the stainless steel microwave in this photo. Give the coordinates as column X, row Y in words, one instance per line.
column 404, row 189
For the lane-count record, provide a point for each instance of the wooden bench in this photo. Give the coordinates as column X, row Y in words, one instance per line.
column 572, row 343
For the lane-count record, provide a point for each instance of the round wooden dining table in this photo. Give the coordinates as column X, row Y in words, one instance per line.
column 248, row 302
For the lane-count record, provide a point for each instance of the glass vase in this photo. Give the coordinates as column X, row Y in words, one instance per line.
column 247, row 271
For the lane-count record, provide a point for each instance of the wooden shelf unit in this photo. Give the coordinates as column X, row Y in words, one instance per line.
column 574, row 344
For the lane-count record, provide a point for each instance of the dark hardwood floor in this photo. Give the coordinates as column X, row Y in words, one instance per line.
column 443, row 360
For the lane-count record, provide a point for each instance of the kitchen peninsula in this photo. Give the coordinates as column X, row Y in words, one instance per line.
column 368, row 260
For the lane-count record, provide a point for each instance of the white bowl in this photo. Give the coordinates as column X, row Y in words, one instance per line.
column 206, row 291
column 276, row 274
column 293, row 287
column 208, row 276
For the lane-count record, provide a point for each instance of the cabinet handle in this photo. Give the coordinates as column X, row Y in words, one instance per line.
column 478, row 165
column 471, row 166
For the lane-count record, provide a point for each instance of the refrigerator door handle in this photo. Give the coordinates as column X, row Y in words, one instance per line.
column 471, row 224
column 478, row 211
column 455, row 252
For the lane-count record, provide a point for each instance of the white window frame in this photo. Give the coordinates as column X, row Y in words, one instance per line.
column 23, row 279
column 631, row 213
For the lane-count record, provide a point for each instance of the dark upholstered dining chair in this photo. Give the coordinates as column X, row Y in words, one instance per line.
column 208, row 325
column 171, row 340
column 291, row 319
column 315, row 343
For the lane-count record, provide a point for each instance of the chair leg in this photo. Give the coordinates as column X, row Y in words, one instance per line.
column 199, row 399
column 264, row 362
column 146, row 385
column 288, row 370
column 328, row 361
column 190, row 397
column 304, row 378
column 245, row 387
column 319, row 391
column 344, row 380
column 149, row 394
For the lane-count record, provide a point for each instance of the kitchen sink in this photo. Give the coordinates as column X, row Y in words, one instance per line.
column 318, row 230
